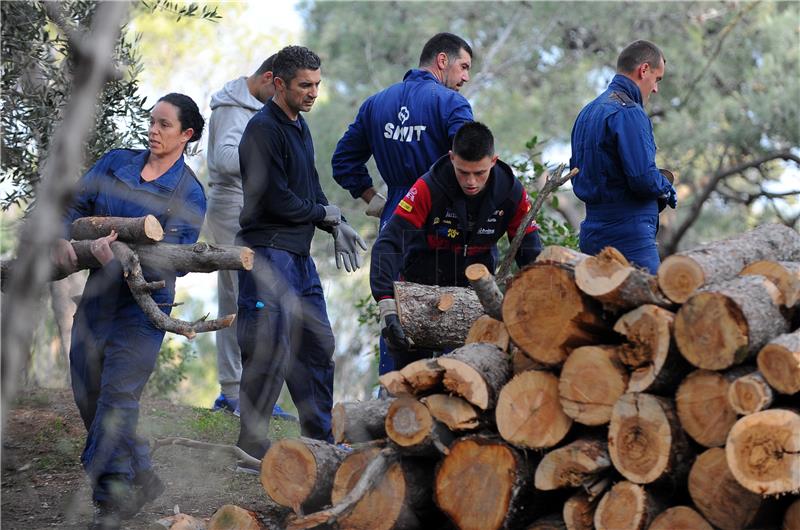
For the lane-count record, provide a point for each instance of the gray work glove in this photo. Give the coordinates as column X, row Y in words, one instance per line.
column 333, row 215
column 376, row 205
column 345, row 239
column 391, row 330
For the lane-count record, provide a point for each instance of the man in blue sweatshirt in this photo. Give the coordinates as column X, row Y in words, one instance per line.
column 282, row 326
column 406, row 127
column 613, row 145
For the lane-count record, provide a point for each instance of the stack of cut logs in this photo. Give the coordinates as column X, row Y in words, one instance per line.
column 590, row 394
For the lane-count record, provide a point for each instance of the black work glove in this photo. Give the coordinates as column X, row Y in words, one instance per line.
column 391, row 330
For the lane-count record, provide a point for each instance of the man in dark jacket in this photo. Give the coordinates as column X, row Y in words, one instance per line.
column 613, row 145
column 282, row 326
column 451, row 217
column 406, row 127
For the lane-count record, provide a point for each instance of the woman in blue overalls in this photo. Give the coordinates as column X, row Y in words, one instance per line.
column 114, row 345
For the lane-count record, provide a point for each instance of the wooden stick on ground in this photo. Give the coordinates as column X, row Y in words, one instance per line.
column 206, row 446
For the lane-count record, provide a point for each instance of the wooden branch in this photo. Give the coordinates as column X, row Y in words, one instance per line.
column 206, row 446
column 145, row 229
column 553, row 182
column 374, row 472
column 487, row 290
column 132, row 270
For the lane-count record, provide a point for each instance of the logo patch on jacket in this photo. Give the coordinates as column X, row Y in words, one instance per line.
column 405, row 206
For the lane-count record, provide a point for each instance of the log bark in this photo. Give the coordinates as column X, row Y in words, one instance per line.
column 573, row 465
column 646, row 442
column 681, row 274
column 779, row 363
column 411, row 426
column 298, row 472
column 484, row 484
column 591, row 381
column 396, row 501
column 455, row 412
column 657, row 365
column 487, row 290
column 728, row 322
column 680, row 518
column 626, row 506
column 763, row 451
column 230, row 517
column 750, row 393
column 487, row 329
column 718, row 496
column 791, row 519
column 361, row 421
column 784, row 274
column 547, row 316
column 703, row 407
column 395, row 384
column 529, row 413
column 145, row 229
column 476, row 372
column 424, row 376
column 610, row 279
column 434, row 317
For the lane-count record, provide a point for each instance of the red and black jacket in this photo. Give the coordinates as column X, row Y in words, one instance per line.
column 427, row 240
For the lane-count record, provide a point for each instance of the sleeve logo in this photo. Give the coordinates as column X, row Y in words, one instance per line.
column 405, row 206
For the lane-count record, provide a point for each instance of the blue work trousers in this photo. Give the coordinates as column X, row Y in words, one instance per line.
column 634, row 236
column 284, row 335
column 112, row 354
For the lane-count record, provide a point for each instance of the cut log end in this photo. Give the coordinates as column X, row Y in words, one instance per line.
column 624, row 507
column 487, row 329
column 153, row 229
column 408, row 422
column 711, row 331
column 763, row 451
column 446, row 301
column 679, row 277
column 455, row 412
column 680, row 518
column 231, row 517
column 288, row 473
column 749, row 394
column 247, row 257
column 591, row 381
column 464, row 380
column 476, row 271
column 703, row 407
column 785, row 276
column 395, row 384
column 780, row 366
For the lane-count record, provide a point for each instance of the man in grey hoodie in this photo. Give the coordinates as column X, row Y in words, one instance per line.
column 231, row 109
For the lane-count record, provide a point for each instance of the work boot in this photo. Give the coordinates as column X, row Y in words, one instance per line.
column 147, row 487
column 224, row 403
column 106, row 517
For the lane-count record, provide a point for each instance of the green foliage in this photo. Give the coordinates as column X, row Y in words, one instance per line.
column 171, row 367
column 368, row 312
column 181, row 10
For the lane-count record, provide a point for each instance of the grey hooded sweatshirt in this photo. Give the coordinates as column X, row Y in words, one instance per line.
column 231, row 109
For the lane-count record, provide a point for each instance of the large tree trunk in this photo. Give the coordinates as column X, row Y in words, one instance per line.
column 784, row 274
column 626, row 506
column 763, row 451
column 398, row 499
column 361, row 421
column 476, row 372
column 680, row 518
column 411, row 426
column 484, row 484
column 436, row 317
column 576, row 464
column 779, row 363
column 547, row 315
column 649, row 350
column 750, row 393
column 592, row 379
column 145, row 229
column 529, row 412
column 646, row 442
column 717, row 494
column 681, row 274
column 609, row 278
column 728, row 322
column 298, row 472
column 703, row 407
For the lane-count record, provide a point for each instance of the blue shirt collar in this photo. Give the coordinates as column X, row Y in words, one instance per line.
column 131, row 172
column 625, row 84
column 416, row 74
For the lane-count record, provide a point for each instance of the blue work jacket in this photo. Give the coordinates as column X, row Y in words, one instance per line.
column 406, row 127
column 114, row 187
column 614, row 148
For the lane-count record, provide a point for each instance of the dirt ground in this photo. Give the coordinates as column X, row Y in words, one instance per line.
column 43, row 484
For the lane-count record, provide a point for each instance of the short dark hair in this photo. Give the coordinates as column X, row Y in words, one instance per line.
column 443, row 42
column 638, row 52
column 293, row 58
column 266, row 66
column 473, row 141
column 188, row 113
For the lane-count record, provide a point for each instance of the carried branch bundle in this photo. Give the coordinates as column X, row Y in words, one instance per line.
column 681, row 274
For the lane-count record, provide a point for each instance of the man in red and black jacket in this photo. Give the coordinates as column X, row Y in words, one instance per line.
column 451, row 217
